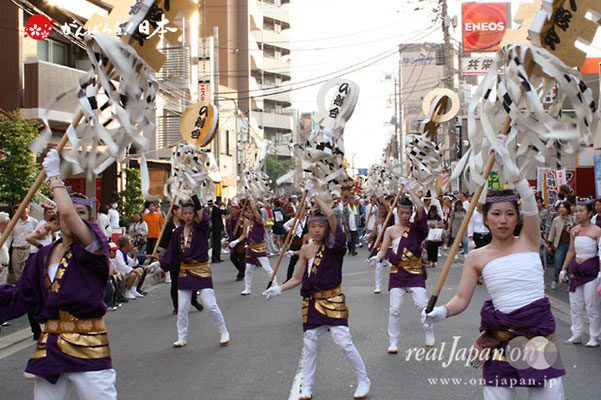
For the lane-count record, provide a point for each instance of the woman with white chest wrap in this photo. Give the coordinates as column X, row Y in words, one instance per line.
column 583, row 259
column 513, row 274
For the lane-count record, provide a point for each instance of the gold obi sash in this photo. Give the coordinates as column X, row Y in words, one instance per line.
column 330, row 303
column 413, row 266
column 506, row 336
column 81, row 338
column 201, row 270
column 324, row 294
column 257, row 247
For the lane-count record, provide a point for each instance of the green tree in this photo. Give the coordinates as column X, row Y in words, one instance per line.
column 276, row 168
column 130, row 199
column 18, row 167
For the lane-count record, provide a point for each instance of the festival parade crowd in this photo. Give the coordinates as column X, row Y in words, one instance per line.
column 67, row 270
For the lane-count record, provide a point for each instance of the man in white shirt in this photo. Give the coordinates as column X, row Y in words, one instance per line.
column 24, row 226
column 477, row 232
column 113, row 215
column 127, row 266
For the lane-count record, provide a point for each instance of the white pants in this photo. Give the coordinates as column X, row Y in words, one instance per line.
column 248, row 275
column 91, row 385
column 342, row 337
column 553, row 390
column 379, row 268
column 207, row 298
column 586, row 297
column 396, row 305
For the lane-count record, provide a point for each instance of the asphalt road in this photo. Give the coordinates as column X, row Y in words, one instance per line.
column 262, row 360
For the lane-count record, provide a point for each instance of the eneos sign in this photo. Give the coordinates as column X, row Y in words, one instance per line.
column 483, row 25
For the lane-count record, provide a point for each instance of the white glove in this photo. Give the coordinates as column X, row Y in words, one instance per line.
column 437, row 314
column 272, row 292
column 52, row 164
column 374, row 260
column 289, row 253
column 563, row 275
column 502, row 142
column 154, row 266
column 310, row 188
column 471, row 245
column 234, row 243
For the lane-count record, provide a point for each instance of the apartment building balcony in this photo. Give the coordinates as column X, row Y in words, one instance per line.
column 279, row 94
column 43, row 82
column 176, row 70
column 273, row 120
column 273, row 38
column 276, row 66
column 277, row 13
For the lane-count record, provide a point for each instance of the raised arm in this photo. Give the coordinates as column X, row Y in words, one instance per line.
column 419, row 204
column 299, row 272
column 68, row 215
column 257, row 214
column 327, row 210
column 531, row 226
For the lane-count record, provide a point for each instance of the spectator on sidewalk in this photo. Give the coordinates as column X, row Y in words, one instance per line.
column 267, row 216
column 350, row 220
column 127, row 266
column 434, row 222
column 279, row 218
column 4, row 257
column 477, row 232
column 545, row 226
column 130, row 255
column 113, row 214
column 455, row 221
column 559, row 238
column 237, row 253
column 103, row 221
column 154, row 220
column 24, row 226
column 138, row 231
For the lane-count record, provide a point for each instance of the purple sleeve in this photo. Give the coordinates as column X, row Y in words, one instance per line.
column 420, row 227
column 171, row 255
column 337, row 242
column 16, row 300
column 83, row 256
column 204, row 221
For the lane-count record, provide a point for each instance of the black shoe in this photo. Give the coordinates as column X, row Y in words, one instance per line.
column 198, row 306
column 239, row 278
column 36, row 337
column 174, row 311
column 122, row 300
column 142, row 292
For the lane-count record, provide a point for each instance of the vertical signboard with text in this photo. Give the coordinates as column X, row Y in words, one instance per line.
column 483, row 26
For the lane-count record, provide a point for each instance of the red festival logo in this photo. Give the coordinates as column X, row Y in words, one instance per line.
column 38, row 27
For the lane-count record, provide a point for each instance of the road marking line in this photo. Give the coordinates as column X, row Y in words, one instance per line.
column 297, row 382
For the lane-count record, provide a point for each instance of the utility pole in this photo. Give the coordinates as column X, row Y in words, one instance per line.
column 401, row 132
column 449, row 71
column 396, row 121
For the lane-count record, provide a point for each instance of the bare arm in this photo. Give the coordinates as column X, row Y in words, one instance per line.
column 299, row 272
column 467, row 285
column 328, row 212
column 34, row 237
column 68, row 215
column 418, row 203
column 245, row 227
column 385, row 244
column 571, row 252
column 256, row 212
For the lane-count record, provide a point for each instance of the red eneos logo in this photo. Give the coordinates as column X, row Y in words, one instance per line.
column 38, row 27
column 483, row 26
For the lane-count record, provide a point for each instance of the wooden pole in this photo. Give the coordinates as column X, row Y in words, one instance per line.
column 289, row 237
column 36, row 185
column 392, row 206
column 156, row 246
column 468, row 214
